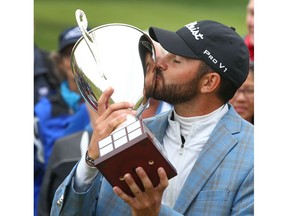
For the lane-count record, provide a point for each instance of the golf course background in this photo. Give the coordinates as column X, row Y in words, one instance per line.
column 53, row 16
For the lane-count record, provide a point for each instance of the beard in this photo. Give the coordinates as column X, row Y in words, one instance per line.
column 177, row 93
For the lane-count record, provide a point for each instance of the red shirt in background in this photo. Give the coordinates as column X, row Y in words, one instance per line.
column 250, row 47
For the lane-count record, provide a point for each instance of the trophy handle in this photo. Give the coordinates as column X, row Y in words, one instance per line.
column 83, row 24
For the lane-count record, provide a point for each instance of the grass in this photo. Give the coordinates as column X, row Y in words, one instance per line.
column 53, row 16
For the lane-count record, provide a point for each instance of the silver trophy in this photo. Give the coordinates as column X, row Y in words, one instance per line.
column 123, row 57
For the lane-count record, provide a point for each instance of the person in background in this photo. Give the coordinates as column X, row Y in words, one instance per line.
column 243, row 100
column 62, row 113
column 66, row 152
column 209, row 144
column 46, row 78
column 249, row 38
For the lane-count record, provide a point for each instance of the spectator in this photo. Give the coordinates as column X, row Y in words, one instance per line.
column 46, row 78
column 64, row 112
column 66, row 152
column 209, row 144
column 243, row 100
column 249, row 38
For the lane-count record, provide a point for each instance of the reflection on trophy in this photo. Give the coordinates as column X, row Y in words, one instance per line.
column 121, row 56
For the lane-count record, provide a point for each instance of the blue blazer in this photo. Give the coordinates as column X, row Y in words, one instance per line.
column 220, row 183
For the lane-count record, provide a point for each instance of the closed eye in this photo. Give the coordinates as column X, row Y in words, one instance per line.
column 177, row 59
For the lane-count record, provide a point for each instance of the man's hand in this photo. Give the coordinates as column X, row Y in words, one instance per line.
column 147, row 202
column 109, row 117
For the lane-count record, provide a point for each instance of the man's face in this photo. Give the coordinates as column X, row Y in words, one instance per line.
column 176, row 79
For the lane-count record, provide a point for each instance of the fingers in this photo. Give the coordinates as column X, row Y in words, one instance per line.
column 108, row 118
column 147, row 202
column 163, row 179
column 106, row 110
column 148, row 186
column 126, row 198
column 112, row 115
column 133, row 187
column 132, row 184
column 103, row 101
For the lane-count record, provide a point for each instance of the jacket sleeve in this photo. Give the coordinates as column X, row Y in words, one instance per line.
column 164, row 211
column 69, row 202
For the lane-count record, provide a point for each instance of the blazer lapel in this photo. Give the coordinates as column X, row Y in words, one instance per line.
column 214, row 151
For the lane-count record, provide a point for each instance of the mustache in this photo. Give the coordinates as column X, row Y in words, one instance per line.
column 158, row 71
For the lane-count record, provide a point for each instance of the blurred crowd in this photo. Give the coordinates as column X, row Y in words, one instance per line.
column 62, row 119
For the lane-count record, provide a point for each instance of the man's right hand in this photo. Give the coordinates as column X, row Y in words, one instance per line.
column 109, row 117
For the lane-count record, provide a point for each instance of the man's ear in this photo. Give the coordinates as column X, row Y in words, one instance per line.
column 210, row 82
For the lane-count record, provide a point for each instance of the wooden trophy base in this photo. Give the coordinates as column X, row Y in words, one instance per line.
column 128, row 148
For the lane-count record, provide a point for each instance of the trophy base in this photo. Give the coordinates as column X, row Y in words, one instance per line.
column 131, row 147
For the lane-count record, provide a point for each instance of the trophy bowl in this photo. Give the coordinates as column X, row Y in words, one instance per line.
column 111, row 55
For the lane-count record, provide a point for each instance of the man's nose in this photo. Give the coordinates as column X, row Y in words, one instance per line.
column 161, row 63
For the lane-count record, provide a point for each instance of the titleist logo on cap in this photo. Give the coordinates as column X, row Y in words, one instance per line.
column 194, row 30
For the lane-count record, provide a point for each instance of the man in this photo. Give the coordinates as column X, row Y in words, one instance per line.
column 208, row 143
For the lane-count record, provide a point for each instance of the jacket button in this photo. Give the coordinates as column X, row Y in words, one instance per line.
column 60, row 201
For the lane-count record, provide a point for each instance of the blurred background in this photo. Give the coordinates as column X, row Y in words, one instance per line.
column 53, row 16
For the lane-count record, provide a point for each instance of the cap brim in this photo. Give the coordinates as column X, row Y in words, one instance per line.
column 172, row 42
